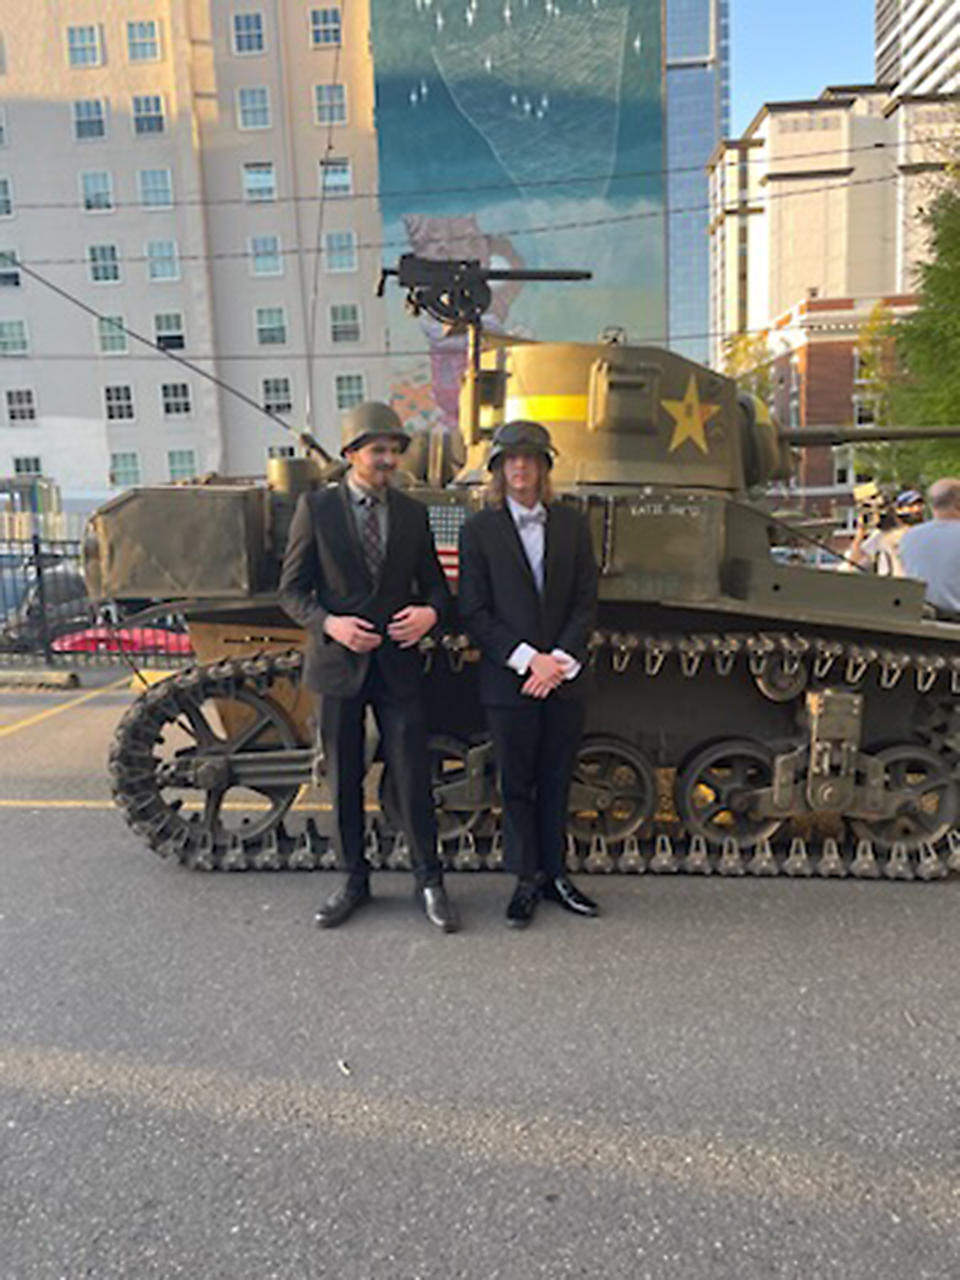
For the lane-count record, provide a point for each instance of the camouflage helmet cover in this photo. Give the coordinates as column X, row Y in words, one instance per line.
column 520, row 436
column 370, row 421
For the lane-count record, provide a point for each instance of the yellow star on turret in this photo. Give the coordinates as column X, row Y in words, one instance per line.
column 691, row 417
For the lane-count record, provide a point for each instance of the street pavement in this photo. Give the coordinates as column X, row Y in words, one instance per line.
column 717, row 1079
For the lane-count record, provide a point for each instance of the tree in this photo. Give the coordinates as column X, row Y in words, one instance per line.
column 924, row 388
column 747, row 358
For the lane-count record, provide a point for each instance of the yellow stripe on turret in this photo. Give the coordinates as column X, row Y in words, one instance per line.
column 547, row 408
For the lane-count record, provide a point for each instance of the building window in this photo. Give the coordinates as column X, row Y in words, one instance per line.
column 13, row 338
column 325, row 26
column 265, row 259
column 175, row 398
column 181, row 464
column 118, row 403
column 344, row 322
column 156, row 188
column 259, row 182
column 21, row 405
column 168, row 330
column 6, row 198
column 83, row 46
column 253, row 108
column 349, row 389
column 162, row 260
column 27, row 466
column 341, row 250
column 331, row 103
column 147, row 113
column 248, row 33
column 111, row 336
column 271, row 326
column 9, row 272
column 89, row 119
column 277, row 396
column 336, row 178
column 97, row 190
column 124, row 469
column 104, row 263
column 143, row 41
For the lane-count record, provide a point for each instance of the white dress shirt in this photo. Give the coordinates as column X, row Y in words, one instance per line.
column 531, row 525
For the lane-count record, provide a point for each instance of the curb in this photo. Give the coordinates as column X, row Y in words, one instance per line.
column 33, row 677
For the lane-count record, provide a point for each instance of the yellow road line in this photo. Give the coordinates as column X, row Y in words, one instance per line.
column 29, row 721
column 810, row 1179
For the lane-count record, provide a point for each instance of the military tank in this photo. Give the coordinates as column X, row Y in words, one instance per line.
column 748, row 716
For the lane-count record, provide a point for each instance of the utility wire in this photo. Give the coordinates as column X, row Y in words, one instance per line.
column 731, row 208
column 471, row 189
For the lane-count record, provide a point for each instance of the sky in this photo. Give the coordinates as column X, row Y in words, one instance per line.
column 782, row 50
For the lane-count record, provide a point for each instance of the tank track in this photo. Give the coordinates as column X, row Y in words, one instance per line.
column 173, row 833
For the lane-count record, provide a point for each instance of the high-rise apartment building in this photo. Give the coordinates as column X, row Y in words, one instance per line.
column 917, row 45
column 698, row 117
column 179, row 167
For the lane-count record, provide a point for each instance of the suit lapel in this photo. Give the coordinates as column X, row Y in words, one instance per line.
column 551, row 552
column 394, row 534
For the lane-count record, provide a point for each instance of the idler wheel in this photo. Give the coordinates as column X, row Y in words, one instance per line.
column 715, row 790
column 613, row 792
column 206, row 733
column 929, row 804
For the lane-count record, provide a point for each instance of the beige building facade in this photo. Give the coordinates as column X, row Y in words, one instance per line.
column 180, row 169
column 820, row 199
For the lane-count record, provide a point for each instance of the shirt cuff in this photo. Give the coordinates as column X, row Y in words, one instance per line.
column 519, row 661
column 573, row 667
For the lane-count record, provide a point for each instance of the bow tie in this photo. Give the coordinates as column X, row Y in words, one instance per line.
column 529, row 519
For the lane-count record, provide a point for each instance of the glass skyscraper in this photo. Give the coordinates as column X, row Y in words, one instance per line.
column 698, row 110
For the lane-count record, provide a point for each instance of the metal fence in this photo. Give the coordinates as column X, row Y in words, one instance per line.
column 47, row 617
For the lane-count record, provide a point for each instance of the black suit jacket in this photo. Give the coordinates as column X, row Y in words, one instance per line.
column 501, row 607
column 324, row 572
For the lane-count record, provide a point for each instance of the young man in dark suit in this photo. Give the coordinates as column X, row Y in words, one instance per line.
column 361, row 575
column 527, row 595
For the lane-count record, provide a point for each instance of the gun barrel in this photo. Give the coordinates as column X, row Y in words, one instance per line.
column 827, row 435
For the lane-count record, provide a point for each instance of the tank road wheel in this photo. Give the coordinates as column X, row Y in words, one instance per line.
column 449, row 775
column 715, row 791
column 613, row 791
column 929, row 804
column 195, row 767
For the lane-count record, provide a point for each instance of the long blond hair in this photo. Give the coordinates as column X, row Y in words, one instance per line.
column 496, row 490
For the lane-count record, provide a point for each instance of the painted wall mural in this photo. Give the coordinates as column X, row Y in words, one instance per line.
column 525, row 133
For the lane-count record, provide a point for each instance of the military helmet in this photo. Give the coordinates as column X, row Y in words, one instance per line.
column 520, row 436
column 369, row 421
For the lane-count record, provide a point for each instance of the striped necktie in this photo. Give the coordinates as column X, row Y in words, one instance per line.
column 370, row 541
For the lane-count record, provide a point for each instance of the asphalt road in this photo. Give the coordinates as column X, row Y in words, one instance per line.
column 717, row 1079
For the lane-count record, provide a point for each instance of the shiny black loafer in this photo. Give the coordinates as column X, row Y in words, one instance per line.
column 523, row 905
column 438, row 908
column 563, row 891
column 342, row 904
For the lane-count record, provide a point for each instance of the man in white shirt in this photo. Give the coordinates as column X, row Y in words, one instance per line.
column 931, row 551
column 527, row 596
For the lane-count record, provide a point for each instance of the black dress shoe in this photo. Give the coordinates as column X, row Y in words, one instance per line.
column 523, row 904
column 563, row 891
column 342, row 904
column 438, row 908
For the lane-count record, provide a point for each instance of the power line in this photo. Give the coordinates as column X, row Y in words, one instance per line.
column 472, row 189
column 730, row 208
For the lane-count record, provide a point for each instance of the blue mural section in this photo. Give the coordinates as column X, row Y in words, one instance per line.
column 525, row 133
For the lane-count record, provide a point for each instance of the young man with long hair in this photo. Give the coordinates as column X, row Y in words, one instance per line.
column 528, row 590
